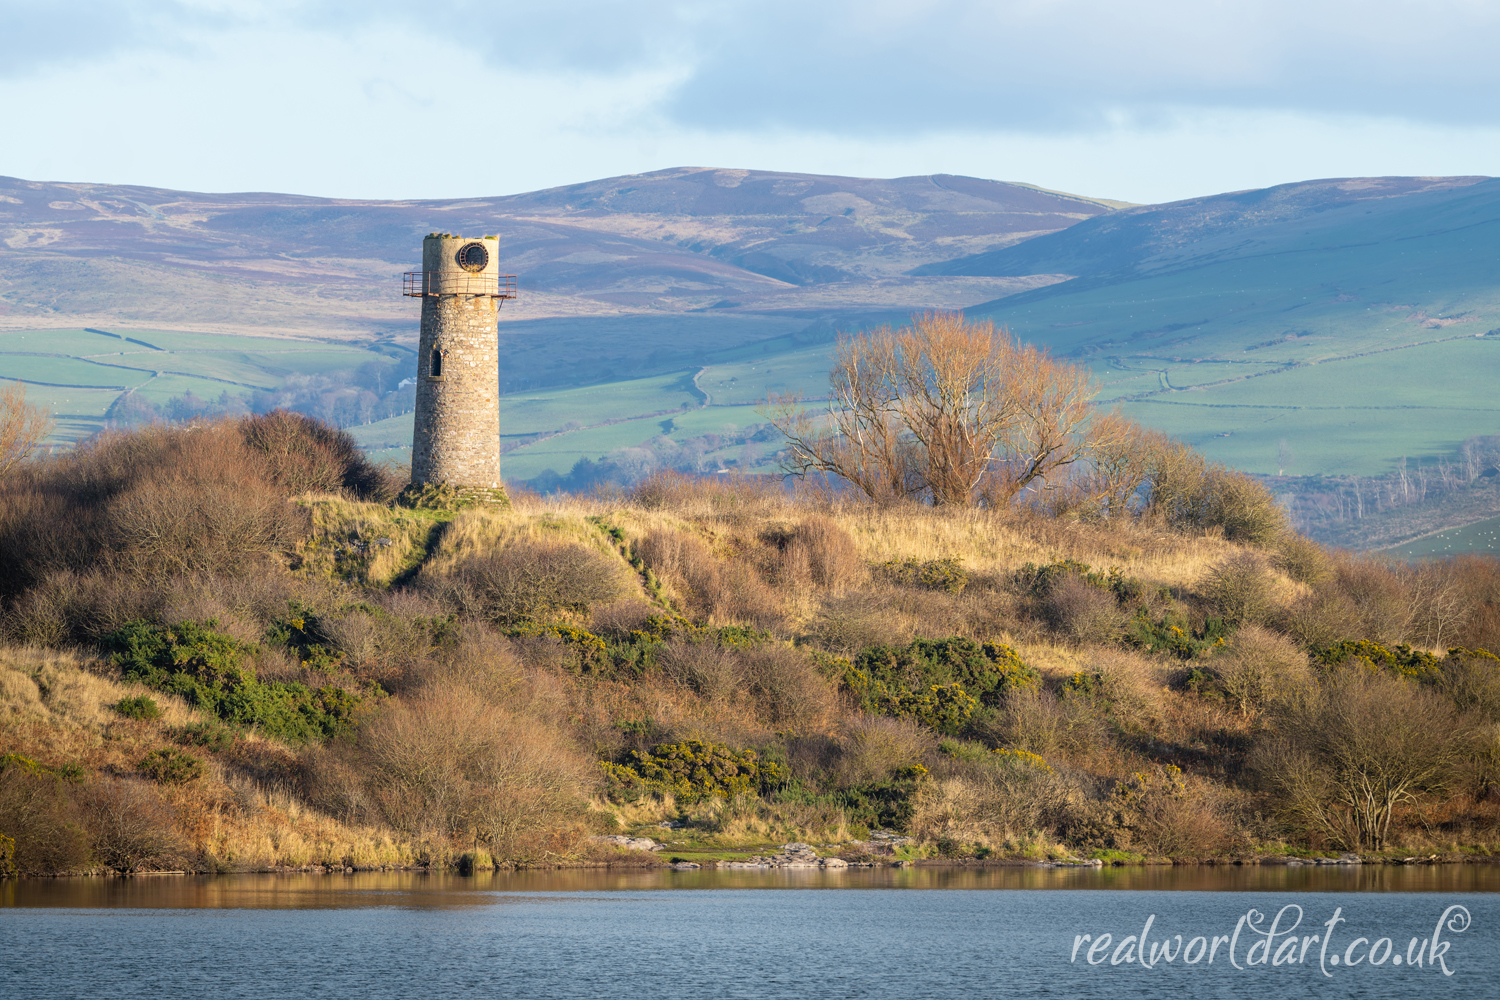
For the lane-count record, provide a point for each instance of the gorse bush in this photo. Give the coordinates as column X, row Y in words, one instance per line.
column 946, row 575
column 171, row 767
column 694, row 769
column 1172, row 632
column 140, row 707
column 1403, row 660
column 938, row 681
column 207, row 669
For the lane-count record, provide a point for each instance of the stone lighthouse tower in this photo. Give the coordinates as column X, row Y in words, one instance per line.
column 457, row 437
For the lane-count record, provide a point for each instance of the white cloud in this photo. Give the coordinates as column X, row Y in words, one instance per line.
column 1156, row 100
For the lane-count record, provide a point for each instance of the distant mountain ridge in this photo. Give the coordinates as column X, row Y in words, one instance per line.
column 622, row 275
column 1141, row 236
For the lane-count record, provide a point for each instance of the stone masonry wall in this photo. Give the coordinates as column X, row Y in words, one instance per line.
column 457, row 436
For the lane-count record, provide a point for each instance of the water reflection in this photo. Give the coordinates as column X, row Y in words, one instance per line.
column 412, row 889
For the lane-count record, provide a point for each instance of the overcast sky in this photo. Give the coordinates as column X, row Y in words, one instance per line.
column 1146, row 101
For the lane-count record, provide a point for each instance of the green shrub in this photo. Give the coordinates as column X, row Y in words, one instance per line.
column 694, row 769
column 301, row 631
column 939, row 682
column 1402, row 660
column 947, row 575
column 209, row 735
column 171, row 767
column 1038, row 580
column 207, row 669
column 141, row 707
column 1173, row 633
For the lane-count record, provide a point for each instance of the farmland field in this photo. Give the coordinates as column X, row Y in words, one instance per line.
column 103, row 365
column 1483, row 536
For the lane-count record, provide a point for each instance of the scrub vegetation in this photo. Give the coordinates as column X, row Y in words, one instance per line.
column 225, row 648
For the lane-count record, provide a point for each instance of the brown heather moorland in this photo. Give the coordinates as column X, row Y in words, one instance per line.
column 226, row 649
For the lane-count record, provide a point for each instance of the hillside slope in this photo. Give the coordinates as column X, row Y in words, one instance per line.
column 1350, row 320
column 381, row 686
column 757, row 247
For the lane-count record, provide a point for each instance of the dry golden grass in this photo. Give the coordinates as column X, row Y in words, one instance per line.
column 740, row 527
column 56, row 710
column 369, row 543
column 53, row 688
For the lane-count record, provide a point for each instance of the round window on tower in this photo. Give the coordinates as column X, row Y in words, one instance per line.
column 473, row 257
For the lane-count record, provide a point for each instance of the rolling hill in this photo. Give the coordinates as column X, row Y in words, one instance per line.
column 1352, row 319
column 629, row 277
column 1324, row 328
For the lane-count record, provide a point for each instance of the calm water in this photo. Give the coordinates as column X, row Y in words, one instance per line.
column 887, row 933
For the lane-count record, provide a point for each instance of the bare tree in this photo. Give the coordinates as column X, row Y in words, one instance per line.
column 22, row 427
column 1122, row 458
column 955, row 409
column 1364, row 744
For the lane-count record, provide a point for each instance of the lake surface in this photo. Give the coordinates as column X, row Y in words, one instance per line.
column 900, row 933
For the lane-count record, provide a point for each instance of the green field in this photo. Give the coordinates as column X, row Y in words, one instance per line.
column 77, row 412
column 1483, row 536
column 207, row 365
column 561, row 452
column 802, row 371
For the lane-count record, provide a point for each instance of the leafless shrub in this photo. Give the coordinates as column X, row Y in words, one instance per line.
column 818, row 553
column 40, row 814
column 1384, row 606
column 1123, row 686
column 533, row 580
column 1242, row 589
column 22, row 427
column 876, row 745
column 1443, row 601
column 1084, row 613
column 1472, row 682
column 1262, row 669
column 1173, row 816
column 165, row 527
column 68, row 607
column 620, row 618
column 1302, row 559
column 1186, row 490
column 1321, row 618
column 1364, row 744
column 789, row 692
column 706, row 668
column 728, row 592
column 130, row 825
column 448, row 761
column 993, row 802
column 1041, row 723
column 858, row 621
column 303, row 455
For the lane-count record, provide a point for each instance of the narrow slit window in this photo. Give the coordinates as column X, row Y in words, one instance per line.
column 435, row 370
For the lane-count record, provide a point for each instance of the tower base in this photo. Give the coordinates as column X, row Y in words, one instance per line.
column 441, row 496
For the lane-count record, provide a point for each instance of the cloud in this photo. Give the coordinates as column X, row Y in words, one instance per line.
column 891, row 67
column 912, row 66
column 38, row 36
